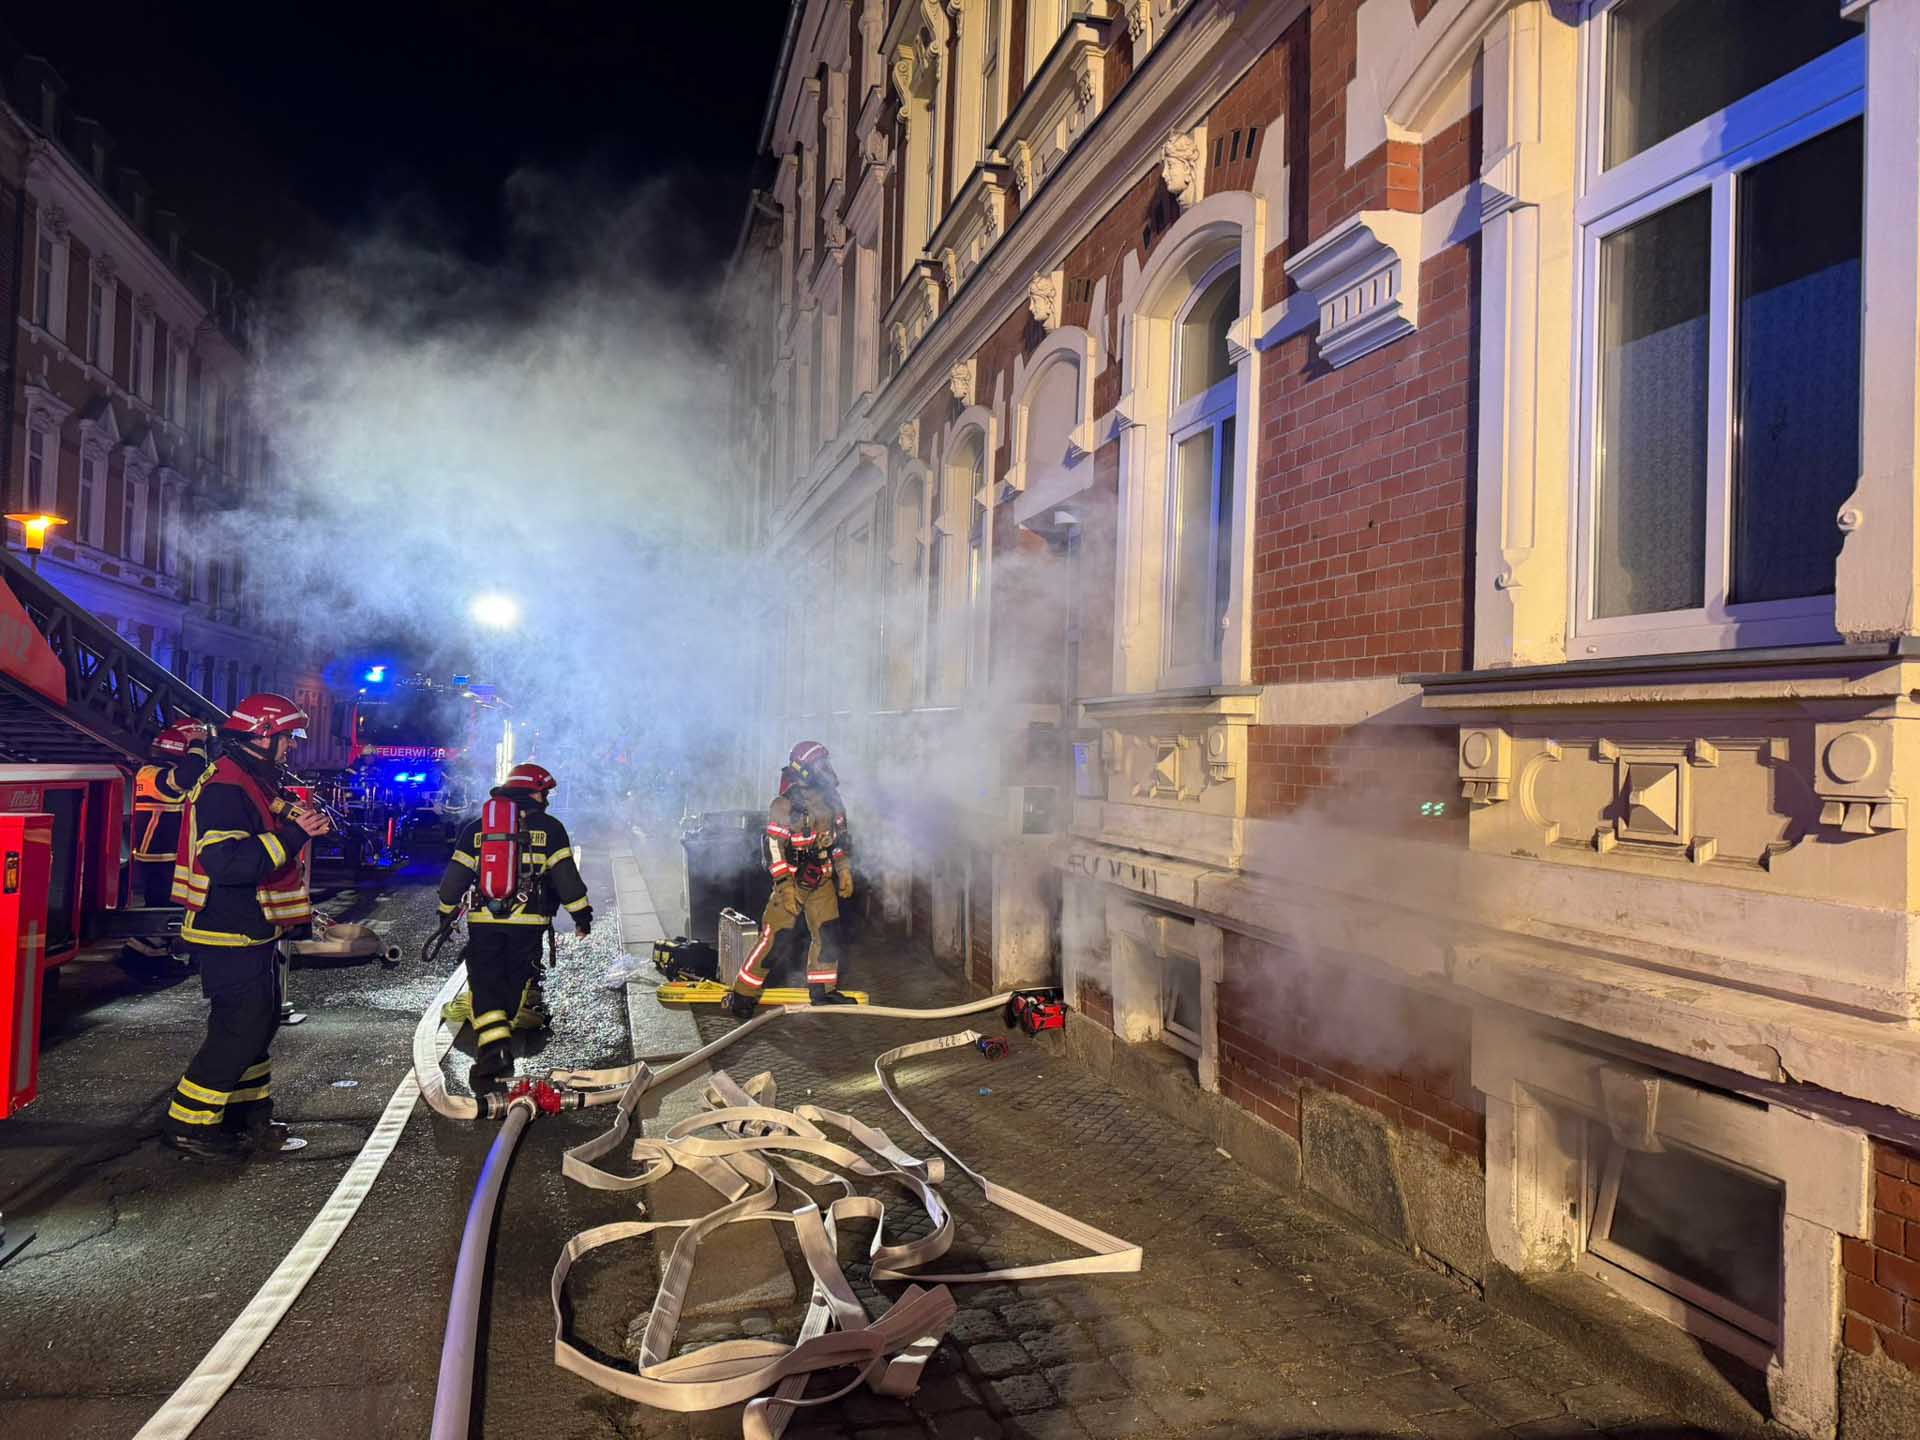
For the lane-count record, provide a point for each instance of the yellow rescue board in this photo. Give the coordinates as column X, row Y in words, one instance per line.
column 712, row 992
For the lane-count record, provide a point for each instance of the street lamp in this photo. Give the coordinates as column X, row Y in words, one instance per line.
column 495, row 611
column 36, row 524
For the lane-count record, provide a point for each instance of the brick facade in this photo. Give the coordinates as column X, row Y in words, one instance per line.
column 1280, row 1028
column 1883, row 1271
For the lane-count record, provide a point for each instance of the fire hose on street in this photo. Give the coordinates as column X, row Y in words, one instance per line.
column 745, row 1148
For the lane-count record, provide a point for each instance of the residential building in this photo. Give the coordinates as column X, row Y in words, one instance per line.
column 128, row 404
column 1374, row 541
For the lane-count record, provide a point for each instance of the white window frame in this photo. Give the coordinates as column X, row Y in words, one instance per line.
column 991, row 95
column 176, row 402
column 1210, row 410
column 1708, row 155
column 1042, row 36
column 96, row 319
column 42, row 489
column 1754, row 1337
column 133, row 519
column 91, row 496
column 46, row 282
column 140, row 358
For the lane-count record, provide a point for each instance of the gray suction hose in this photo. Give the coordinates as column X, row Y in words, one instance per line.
column 453, row 1397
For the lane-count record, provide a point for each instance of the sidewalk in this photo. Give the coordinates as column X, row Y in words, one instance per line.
column 1254, row 1316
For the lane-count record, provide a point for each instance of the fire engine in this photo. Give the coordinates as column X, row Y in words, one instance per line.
column 79, row 707
column 424, row 752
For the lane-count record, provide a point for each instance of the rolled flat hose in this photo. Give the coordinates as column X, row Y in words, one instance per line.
column 453, row 1396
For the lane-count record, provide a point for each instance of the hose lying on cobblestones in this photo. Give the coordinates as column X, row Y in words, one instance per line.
column 744, row 1148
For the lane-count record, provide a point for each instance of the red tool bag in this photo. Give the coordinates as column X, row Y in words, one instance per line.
column 503, row 857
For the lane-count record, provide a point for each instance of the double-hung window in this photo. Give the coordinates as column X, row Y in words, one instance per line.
column 40, row 494
column 83, row 523
column 990, row 83
column 43, row 281
column 96, row 318
column 133, row 520
column 1720, row 305
column 1200, row 480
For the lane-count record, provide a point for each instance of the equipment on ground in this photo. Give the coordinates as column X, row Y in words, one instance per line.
column 1036, row 1010
column 711, row 992
column 992, row 1048
column 738, row 935
column 684, row 959
column 26, row 842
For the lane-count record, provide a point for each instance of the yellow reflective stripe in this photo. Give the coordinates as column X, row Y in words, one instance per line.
column 190, row 931
column 185, row 1116
column 583, row 903
column 218, row 837
column 565, row 852
column 257, row 1072
column 483, row 917
column 445, row 908
column 258, row 1092
column 461, row 857
column 491, row 1017
column 201, row 1092
column 276, row 852
column 495, row 1033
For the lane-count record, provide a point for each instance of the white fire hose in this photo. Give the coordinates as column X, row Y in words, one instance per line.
column 745, row 1149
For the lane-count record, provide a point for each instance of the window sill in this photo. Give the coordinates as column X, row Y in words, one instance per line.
column 1769, row 672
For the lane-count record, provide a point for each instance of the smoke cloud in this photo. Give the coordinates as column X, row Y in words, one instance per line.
column 550, row 427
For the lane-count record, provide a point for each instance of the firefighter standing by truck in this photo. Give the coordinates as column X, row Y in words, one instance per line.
column 515, row 866
column 810, row 855
column 177, row 759
column 239, row 875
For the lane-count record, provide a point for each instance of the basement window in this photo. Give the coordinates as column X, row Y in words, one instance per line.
column 1696, row 1239
column 1180, row 1004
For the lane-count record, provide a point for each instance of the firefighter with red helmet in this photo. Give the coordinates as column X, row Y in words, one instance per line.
column 508, row 921
column 177, row 758
column 239, row 875
column 810, row 856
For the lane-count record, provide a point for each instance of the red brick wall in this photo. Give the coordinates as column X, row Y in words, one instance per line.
column 1095, row 1003
column 1285, row 1026
column 1360, row 511
column 1883, row 1272
column 1382, row 774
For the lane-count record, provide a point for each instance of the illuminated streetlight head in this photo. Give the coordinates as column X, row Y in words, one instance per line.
column 36, row 524
column 496, row 612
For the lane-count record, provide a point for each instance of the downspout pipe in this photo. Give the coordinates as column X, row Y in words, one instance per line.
column 453, row 1396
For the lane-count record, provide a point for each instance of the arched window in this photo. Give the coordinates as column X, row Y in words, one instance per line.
column 1200, row 481
column 908, row 563
column 1053, row 412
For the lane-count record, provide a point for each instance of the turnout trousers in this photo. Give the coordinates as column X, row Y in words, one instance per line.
column 229, row 1082
column 820, row 907
column 501, row 960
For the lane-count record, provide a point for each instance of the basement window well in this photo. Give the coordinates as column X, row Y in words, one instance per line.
column 1705, row 1235
column 1180, row 1022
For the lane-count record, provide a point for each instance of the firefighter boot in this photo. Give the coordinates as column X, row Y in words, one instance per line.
column 533, row 1013
column 274, row 1138
column 214, row 1146
column 741, row 1007
column 493, row 1062
column 827, row 995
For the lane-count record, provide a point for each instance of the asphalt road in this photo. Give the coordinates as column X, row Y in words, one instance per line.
column 142, row 1257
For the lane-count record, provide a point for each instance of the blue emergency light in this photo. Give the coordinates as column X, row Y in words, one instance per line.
column 375, row 674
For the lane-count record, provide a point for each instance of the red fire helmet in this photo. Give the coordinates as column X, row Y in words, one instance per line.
column 263, row 716
column 536, row 778
column 810, row 759
column 179, row 737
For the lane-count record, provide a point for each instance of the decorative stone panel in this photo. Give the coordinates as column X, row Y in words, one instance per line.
column 1853, row 776
column 973, row 223
column 1486, row 764
column 1059, row 103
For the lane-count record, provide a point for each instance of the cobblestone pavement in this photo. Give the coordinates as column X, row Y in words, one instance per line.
column 1254, row 1316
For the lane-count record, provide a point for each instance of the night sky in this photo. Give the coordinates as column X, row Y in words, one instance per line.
column 278, row 131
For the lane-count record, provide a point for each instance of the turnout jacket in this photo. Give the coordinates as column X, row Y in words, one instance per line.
column 807, row 838
column 547, row 857
column 159, row 799
column 239, row 870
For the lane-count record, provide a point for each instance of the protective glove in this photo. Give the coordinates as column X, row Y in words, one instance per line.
column 583, row 922
column 843, row 881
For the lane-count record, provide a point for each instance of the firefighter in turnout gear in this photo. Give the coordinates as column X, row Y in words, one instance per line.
column 239, row 874
column 177, row 760
column 514, row 865
column 810, row 856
